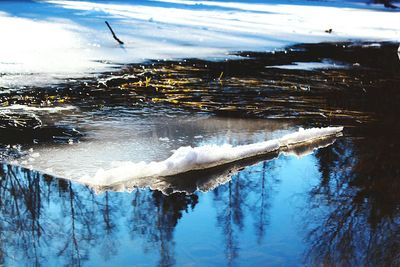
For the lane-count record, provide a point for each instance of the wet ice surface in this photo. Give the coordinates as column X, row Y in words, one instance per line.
column 115, row 135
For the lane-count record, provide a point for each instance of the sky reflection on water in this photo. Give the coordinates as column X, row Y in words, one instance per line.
column 337, row 206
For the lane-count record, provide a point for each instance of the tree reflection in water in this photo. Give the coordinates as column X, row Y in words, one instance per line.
column 357, row 204
column 154, row 218
column 43, row 218
column 247, row 195
column 352, row 214
column 30, row 221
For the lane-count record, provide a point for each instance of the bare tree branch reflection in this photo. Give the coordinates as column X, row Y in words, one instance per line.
column 53, row 221
column 247, row 195
column 154, row 218
column 357, row 204
column 41, row 216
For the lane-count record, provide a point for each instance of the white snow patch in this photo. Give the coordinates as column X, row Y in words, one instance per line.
column 325, row 64
column 18, row 107
column 376, row 45
column 42, row 51
column 398, row 52
column 186, row 159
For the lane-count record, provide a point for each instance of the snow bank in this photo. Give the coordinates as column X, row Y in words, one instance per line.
column 42, row 51
column 67, row 38
column 187, row 159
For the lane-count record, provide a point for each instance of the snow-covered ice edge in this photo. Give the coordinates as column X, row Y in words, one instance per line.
column 187, row 158
column 208, row 179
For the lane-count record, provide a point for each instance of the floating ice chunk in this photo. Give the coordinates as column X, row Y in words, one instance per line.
column 187, row 158
column 206, row 179
column 184, row 159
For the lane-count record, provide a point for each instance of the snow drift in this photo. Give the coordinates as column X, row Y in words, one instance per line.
column 187, row 159
column 52, row 41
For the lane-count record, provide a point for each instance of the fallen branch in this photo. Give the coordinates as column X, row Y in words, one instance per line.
column 113, row 34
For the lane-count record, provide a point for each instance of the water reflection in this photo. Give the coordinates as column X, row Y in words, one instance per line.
column 46, row 220
column 28, row 223
column 358, row 204
column 336, row 206
column 154, row 218
column 243, row 197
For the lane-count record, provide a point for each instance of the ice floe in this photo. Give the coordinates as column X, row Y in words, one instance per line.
column 187, row 159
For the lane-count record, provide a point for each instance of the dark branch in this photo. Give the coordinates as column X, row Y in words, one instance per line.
column 113, row 34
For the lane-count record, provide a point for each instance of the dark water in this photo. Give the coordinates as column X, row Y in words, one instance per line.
column 338, row 206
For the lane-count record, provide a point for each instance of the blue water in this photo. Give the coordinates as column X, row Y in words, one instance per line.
column 287, row 211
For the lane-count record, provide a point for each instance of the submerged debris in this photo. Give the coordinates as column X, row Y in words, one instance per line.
column 18, row 121
column 27, row 128
column 10, row 152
